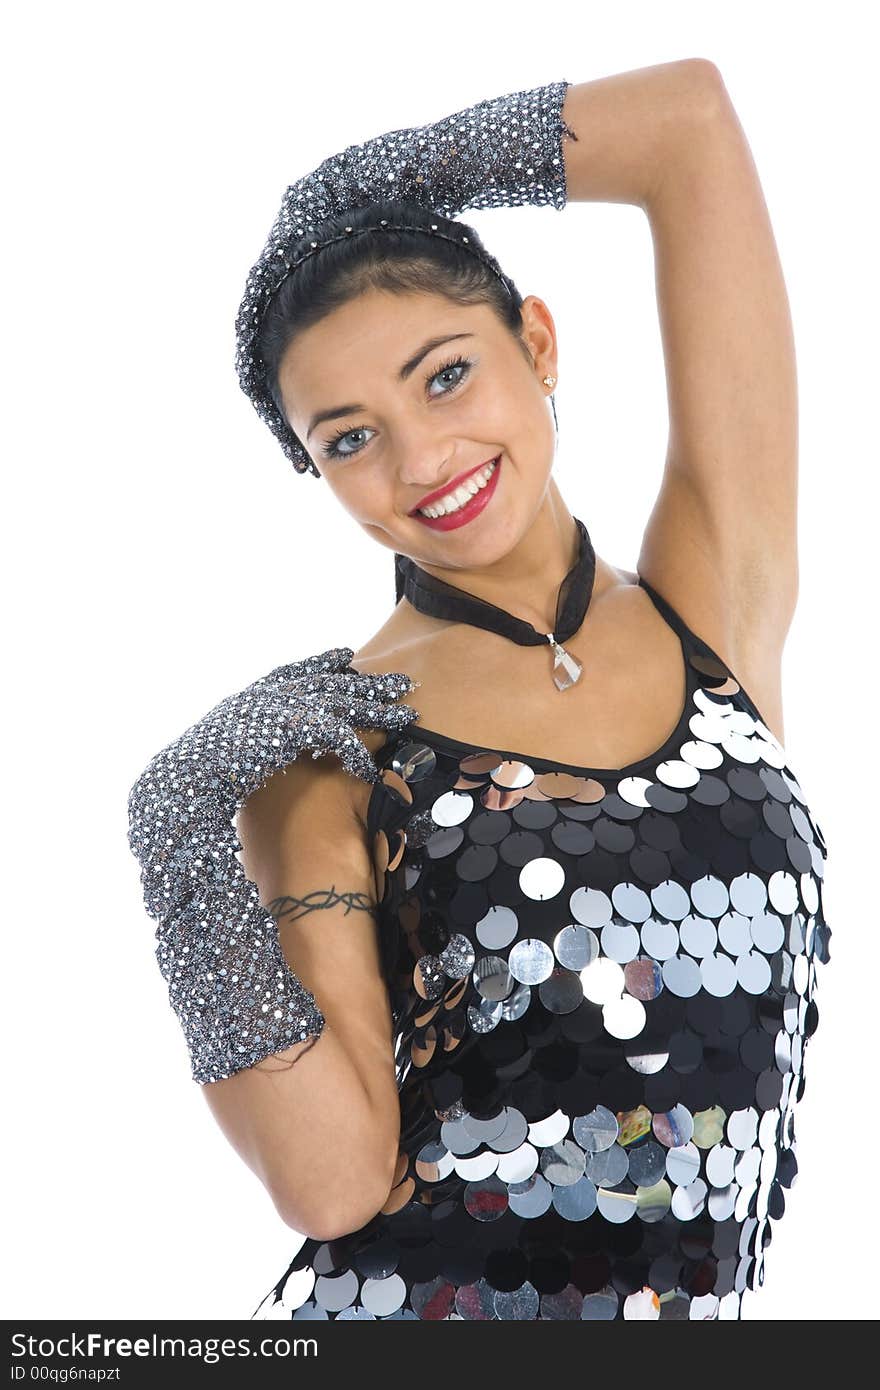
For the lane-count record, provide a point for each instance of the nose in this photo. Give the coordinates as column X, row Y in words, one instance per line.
column 424, row 461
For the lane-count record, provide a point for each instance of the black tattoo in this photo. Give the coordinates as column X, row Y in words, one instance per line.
column 319, row 899
column 288, row 1062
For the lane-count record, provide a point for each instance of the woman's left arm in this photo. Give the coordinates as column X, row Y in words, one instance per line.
column 721, row 543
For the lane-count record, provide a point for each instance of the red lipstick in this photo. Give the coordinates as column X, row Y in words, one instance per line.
column 462, row 515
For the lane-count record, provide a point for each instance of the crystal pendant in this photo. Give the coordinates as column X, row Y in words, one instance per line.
column 566, row 670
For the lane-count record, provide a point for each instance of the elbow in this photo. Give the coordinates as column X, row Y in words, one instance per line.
column 334, row 1196
column 344, row 1202
column 707, row 97
column 337, row 1214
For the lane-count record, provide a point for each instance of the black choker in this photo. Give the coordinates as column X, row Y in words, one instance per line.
column 438, row 599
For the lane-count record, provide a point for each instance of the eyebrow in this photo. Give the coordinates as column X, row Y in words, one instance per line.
column 404, row 374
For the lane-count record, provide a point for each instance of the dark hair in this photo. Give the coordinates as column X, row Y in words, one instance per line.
column 391, row 260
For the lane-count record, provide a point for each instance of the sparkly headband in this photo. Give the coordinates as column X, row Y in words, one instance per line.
column 505, row 151
column 385, row 225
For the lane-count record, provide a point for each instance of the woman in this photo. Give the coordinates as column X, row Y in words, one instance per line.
column 506, row 1003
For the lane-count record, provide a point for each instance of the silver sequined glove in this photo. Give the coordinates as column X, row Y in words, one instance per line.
column 504, row 151
column 218, row 949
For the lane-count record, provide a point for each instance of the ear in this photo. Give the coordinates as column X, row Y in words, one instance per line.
column 539, row 333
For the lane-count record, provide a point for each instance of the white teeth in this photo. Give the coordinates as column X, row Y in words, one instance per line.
column 453, row 501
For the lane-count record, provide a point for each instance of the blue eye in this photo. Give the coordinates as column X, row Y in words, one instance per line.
column 331, row 449
column 463, row 365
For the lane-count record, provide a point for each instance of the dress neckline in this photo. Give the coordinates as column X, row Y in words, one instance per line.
column 414, row 729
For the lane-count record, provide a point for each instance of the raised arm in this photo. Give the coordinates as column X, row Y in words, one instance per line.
column 721, row 543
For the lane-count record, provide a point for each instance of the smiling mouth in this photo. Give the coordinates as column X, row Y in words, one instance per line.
column 459, row 497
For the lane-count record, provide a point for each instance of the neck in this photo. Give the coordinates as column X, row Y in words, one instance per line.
column 525, row 581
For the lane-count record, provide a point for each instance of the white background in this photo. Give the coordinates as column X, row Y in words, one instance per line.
column 160, row 552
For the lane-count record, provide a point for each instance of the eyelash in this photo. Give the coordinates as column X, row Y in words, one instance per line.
column 331, row 448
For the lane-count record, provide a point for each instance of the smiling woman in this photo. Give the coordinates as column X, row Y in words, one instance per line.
column 535, row 956
column 468, row 390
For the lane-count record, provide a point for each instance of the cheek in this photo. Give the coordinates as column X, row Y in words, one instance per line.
column 508, row 414
column 365, row 495
column 523, row 424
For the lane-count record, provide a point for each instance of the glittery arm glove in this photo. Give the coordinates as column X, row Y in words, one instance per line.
column 504, row 151
column 218, row 949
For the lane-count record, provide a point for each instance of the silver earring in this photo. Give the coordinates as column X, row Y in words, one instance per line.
column 549, row 380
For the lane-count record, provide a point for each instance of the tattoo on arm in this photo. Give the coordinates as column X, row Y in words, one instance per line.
column 290, row 1061
column 321, row 898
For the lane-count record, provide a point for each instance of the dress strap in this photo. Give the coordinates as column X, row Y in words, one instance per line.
column 677, row 622
column 713, row 669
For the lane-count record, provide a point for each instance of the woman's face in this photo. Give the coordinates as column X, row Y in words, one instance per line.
column 394, row 396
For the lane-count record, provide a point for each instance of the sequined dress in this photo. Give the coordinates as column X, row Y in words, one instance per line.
column 603, row 986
